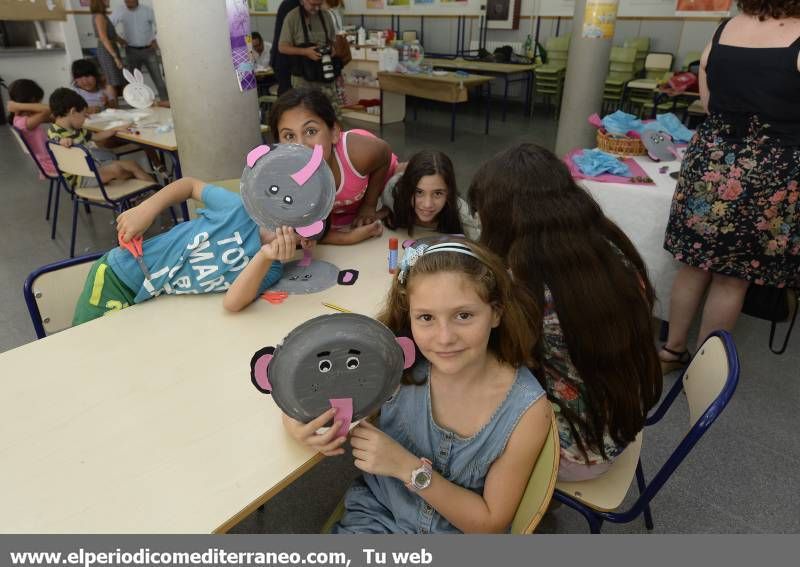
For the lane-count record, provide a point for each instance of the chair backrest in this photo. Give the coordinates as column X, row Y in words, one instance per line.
column 658, row 63
column 691, row 58
column 557, row 43
column 540, row 487
column 52, row 291
column 622, row 60
column 74, row 160
column 28, row 150
column 709, row 383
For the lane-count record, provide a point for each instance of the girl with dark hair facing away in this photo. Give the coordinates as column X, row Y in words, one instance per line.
column 598, row 362
column 361, row 163
column 425, row 195
column 454, row 446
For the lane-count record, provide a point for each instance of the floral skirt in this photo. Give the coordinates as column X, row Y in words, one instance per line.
column 735, row 210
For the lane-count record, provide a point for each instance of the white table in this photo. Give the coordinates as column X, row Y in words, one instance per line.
column 146, row 421
column 642, row 212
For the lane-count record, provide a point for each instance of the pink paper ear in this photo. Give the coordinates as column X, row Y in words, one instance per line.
column 409, row 351
column 308, row 169
column 310, row 230
column 260, row 373
column 255, row 153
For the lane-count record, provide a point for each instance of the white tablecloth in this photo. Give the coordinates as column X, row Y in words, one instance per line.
column 642, row 211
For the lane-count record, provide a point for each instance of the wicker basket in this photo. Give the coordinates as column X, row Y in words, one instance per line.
column 619, row 146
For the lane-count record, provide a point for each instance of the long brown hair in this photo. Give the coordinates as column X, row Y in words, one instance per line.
column 426, row 162
column 97, row 7
column 512, row 340
column 553, row 233
column 775, row 9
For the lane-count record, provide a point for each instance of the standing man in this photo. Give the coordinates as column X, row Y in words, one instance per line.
column 139, row 29
column 280, row 62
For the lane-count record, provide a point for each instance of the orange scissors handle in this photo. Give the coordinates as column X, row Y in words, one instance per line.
column 134, row 246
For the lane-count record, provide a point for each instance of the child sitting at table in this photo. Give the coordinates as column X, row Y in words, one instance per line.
column 425, row 195
column 455, row 444
column 360, row 162
column 69, row 114
column 27, row 113
column 89, row 83
column 221, row 250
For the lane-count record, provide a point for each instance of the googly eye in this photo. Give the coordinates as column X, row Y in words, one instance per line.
column 307, row 276
column 352, row 362
column 325, row 365
column 288, row 200
column 294, row 278
column 273, row 189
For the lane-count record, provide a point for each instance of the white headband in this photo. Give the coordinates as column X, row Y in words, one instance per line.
column 414, row 253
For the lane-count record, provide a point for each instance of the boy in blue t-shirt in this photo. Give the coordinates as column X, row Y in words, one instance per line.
column 221, row 250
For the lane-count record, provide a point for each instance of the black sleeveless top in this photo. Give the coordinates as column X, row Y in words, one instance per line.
column 756, row 81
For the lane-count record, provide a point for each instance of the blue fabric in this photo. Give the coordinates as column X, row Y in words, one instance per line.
column 670, row 124
column 379, row 504
column 200, row 256
column 620, row 123
column 595, row 162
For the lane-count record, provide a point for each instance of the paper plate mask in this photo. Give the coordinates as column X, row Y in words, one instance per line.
column 659, row 145
column 308, row 276
column 345, row 360
column 136, row 93
column 288, row 185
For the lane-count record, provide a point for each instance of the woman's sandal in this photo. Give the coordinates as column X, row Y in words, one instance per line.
column 679, row 363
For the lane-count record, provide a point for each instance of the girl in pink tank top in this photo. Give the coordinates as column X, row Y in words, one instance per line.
column 361, row 162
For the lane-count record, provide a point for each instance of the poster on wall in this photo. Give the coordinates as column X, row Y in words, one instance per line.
column 259, row 5
column 375, row 4
column 239, row 29
column 703, row 7
column 502, row 14
column 398, row 2
column 423, row 1
column 599, row 19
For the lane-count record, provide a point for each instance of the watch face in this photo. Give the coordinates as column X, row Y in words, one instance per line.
column 421, row 479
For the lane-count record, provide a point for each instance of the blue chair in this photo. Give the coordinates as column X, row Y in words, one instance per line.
column 117, row 195
column 708, row 382
column 52, row 291
column 55, row 180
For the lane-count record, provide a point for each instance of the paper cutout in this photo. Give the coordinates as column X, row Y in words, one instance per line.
column 315, row 276
column 274, row 198
column 259, row 369
column 255, row 153
column 302, row 176
column 347, row 278
column 409, row 351
column 136, row 93
column 344, row 356
column 344, row 413
column 275, row 297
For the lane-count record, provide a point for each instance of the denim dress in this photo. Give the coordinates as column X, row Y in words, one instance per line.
column 381, row 504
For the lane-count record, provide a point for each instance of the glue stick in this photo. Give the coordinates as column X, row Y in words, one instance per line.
column 392, row 255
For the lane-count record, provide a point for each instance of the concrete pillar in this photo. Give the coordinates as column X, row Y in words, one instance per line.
column 587, row 68
column 215, row 123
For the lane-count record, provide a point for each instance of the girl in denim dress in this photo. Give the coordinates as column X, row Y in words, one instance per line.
column 454, row 447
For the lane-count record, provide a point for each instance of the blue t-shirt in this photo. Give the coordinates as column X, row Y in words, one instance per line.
column 203, row 255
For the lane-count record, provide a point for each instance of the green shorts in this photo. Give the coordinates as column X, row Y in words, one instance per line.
column 102, row 293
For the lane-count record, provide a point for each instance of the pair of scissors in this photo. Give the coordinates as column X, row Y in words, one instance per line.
column 135, row 248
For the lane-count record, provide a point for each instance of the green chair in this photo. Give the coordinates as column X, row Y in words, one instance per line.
column 621, row 69
column 691, row 58
column 642, row 47
column 535, row 499
column 641, row 92
column 549, row 78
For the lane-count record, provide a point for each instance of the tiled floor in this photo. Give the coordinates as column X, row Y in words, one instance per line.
column 742, row 477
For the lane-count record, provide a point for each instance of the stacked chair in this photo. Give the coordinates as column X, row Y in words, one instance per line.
column 642, row 47
column 641, row 92
column 549, row 78
column 621, row 69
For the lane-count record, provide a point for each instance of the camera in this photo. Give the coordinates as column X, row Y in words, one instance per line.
column 326, row 62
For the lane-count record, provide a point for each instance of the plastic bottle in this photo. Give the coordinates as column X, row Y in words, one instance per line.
column 362, row 36
column 529, row 47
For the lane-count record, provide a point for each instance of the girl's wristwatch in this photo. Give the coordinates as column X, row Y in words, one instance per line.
column 421, row 477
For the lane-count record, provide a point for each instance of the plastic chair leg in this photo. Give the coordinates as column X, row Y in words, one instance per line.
column 55, row 210
column 74, row 228
column 648, row 518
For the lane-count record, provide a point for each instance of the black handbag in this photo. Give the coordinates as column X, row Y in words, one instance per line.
column 312, row 70
column 773, row 304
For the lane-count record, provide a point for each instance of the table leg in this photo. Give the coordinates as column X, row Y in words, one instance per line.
column 453, row 123
column 505, row 97
column 178, row 175
column 528, row 93
column 488, row 105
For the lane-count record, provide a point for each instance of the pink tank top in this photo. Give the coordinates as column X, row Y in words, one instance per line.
column 352, row 185
column 36, row 140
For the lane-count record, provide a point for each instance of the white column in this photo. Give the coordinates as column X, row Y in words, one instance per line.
column 215, row 123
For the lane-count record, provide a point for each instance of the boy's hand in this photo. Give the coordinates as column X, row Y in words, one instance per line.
column 66, row 142
column 281, row 248
column 134, row 222
column 326, row 443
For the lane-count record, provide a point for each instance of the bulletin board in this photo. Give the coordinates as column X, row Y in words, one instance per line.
column 32, row 10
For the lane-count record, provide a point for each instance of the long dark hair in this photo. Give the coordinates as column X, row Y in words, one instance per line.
column 552, row 232
column 426, row 162
column 24, row 90
column 775, row 9
column 311, row 99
